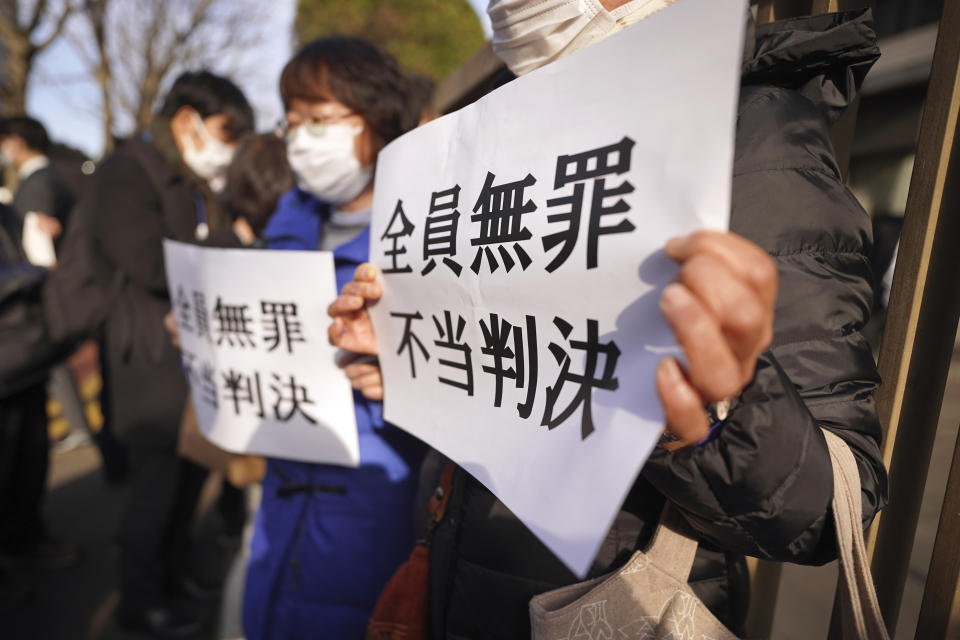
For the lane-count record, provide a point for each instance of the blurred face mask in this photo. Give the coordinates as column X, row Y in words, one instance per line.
column 210, row 161
column 325, row 164
column 528, row 34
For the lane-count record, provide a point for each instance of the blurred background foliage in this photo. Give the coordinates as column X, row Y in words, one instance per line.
column 429, row 37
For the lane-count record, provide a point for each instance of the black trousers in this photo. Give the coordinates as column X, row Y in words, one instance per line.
column 155, row 528
column 24, row 459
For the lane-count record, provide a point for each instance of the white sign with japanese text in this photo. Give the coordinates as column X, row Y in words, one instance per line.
column 520, row 244
column 253, row 334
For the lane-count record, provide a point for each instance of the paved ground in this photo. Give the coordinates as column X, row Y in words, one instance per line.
column 79, row 604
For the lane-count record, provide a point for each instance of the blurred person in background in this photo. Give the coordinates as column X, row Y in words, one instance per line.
column 25, row 357
column 159, row 184
column 42, row 204
column 258, row 176
column 327, row 538
column 42, row 201
column 36, row 219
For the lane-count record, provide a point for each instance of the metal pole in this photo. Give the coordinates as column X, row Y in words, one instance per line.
column 922, row 320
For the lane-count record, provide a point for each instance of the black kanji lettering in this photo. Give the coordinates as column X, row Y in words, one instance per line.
column 451, row 339
column 233, row 324
column 243, row 389
column 440, row 232
column 289, row 399
column 501, row 208
column 200, row 314
column 585, row 383
column 189, row 371
column 281, row 325
column 595, row 164
column 409, row 337
column 398, row 227
column 208, row 384
column 496, row 344
column 183, row 307
column 499, row 346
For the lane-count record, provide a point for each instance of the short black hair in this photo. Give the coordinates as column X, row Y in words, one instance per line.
column 33, row 133
column 210, row 94
column 359, row 74
column 258, row 175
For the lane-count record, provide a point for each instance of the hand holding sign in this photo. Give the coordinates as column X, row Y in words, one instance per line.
column 721, row 312
column 351, row 329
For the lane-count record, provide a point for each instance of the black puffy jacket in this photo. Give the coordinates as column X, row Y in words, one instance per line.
column 763, row 486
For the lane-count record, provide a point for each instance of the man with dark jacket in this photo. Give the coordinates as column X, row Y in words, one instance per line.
column 157, row 185
column 41, row 193
column 769, row 316
column 26, row 355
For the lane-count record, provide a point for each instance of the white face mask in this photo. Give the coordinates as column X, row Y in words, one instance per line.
column 528, row 34
column 210, row 162
column 325, row 163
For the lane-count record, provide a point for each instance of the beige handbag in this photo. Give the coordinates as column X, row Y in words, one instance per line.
column 195, row 447
column 649, row 598
column 239, row 469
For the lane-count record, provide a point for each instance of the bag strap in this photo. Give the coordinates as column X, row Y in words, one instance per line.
column 674, row 545
column 861, row 612
column 437, row 507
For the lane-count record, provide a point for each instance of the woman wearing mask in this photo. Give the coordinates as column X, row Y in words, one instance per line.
column 328, row 538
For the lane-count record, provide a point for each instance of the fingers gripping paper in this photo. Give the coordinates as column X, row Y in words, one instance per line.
column 520, row 241
column 252, row 330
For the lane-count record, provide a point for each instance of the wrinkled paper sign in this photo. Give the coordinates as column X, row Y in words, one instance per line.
column 253, row 336
column 520, row 244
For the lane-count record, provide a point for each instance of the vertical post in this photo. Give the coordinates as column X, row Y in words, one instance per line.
column 766, row 11
column 940, row 611
column 764, row 588
column 922, row 319
column 825, row 6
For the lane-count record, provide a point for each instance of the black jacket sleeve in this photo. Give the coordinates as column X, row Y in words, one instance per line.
column 128, row 223
column 763, row 486
column 36, row 194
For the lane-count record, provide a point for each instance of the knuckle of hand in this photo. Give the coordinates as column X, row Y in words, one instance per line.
column 746, row 318
column 765, row 271
column 722, row 383
column 697, row 325
column 698, row 241
column 699, row 269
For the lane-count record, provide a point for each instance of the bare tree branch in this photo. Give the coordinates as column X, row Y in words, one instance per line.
column 39, row 10
column 133, row 48
column 57, row 29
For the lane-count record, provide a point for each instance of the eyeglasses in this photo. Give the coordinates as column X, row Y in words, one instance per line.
column 315, row 126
